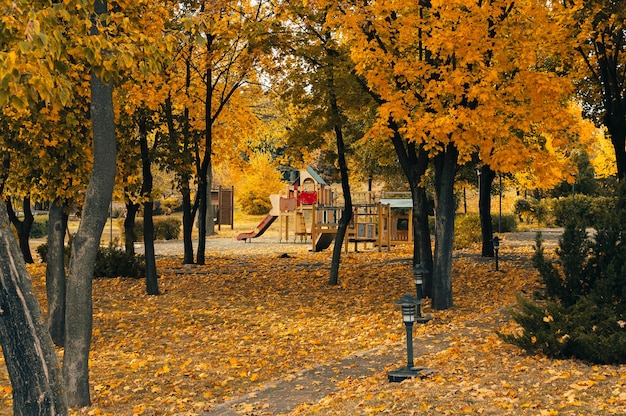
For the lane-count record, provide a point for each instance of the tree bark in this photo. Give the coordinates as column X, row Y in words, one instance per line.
column 210, row 214
column 484, row 209
column 129, row 227
column 22, row 227
column 152, row 284
column 204, row 187
column 187, row 224
column 414, row 163
column 79, row 312
column 185, row 190
column 55, row 272
column 346, row 215
column 30, row 357
column 445, row 170
column 202, row 208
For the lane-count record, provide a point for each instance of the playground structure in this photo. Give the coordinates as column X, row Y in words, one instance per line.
column 310, row 208
column 223, row 202
column 292, row 207
column 382, row 221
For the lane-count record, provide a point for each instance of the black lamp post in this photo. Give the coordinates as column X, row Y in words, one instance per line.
column 409, row 306
column 419, row 272
column 496, row 248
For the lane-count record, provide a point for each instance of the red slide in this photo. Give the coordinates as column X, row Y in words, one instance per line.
column 260, row 229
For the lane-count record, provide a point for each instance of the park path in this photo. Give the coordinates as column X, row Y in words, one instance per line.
column 309, row 386
column 270, row 246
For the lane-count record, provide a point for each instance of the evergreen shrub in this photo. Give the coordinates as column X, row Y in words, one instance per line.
column 583, row 313
column 586, row 211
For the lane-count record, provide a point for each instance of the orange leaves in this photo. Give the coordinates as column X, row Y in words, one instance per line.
column 467, row 72
column 223, row 330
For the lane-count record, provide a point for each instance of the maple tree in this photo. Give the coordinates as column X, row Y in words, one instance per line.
column 34, row 72
column 78, row 322
column 207, row 83
column 449, row 77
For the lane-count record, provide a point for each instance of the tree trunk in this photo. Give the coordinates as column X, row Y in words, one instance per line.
column 484, row 208
column 346, row 215
column 152, row 284
column 422, row 247
column 445, row 169
column 210, row 214
column 612, row 88
column 187, row 224
column 201, row 221
column 79, row 312
column 204, row 187
column 414, row 163
column 129, row 227
column 615, row 122
column 185, row 190
column 22, row 227
column 55, row 272
column 29, row 354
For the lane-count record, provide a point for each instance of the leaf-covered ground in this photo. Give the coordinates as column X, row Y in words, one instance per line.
column 222, row 330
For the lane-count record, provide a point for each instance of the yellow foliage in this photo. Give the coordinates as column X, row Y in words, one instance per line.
column 260, row 179
column 602, row 155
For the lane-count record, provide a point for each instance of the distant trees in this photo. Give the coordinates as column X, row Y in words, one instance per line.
column 599, row 38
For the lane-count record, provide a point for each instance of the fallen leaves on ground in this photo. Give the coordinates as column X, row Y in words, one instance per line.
column 226, row 329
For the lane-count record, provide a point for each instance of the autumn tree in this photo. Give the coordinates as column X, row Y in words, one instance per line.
column 323, row 92
column 34, row 71
column 78, row 323
column 450, row 77
column 222, row 47
column 28, row 350
column 140, row 97
column 599, row 38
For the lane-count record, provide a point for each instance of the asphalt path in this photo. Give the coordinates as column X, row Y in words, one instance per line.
column 271, row 245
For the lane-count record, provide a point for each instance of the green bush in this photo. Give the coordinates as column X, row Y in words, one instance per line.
column 530, row 210
column 584, row 315
column 111, row 261
column 467, row 229
column 115, row 262
column 166, row 227
column 39, row 228
column 509, row 223
column 584, row 210
column 587, row 330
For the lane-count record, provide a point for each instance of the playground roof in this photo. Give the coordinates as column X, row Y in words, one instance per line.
column 397, row 202
column 317, row 178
